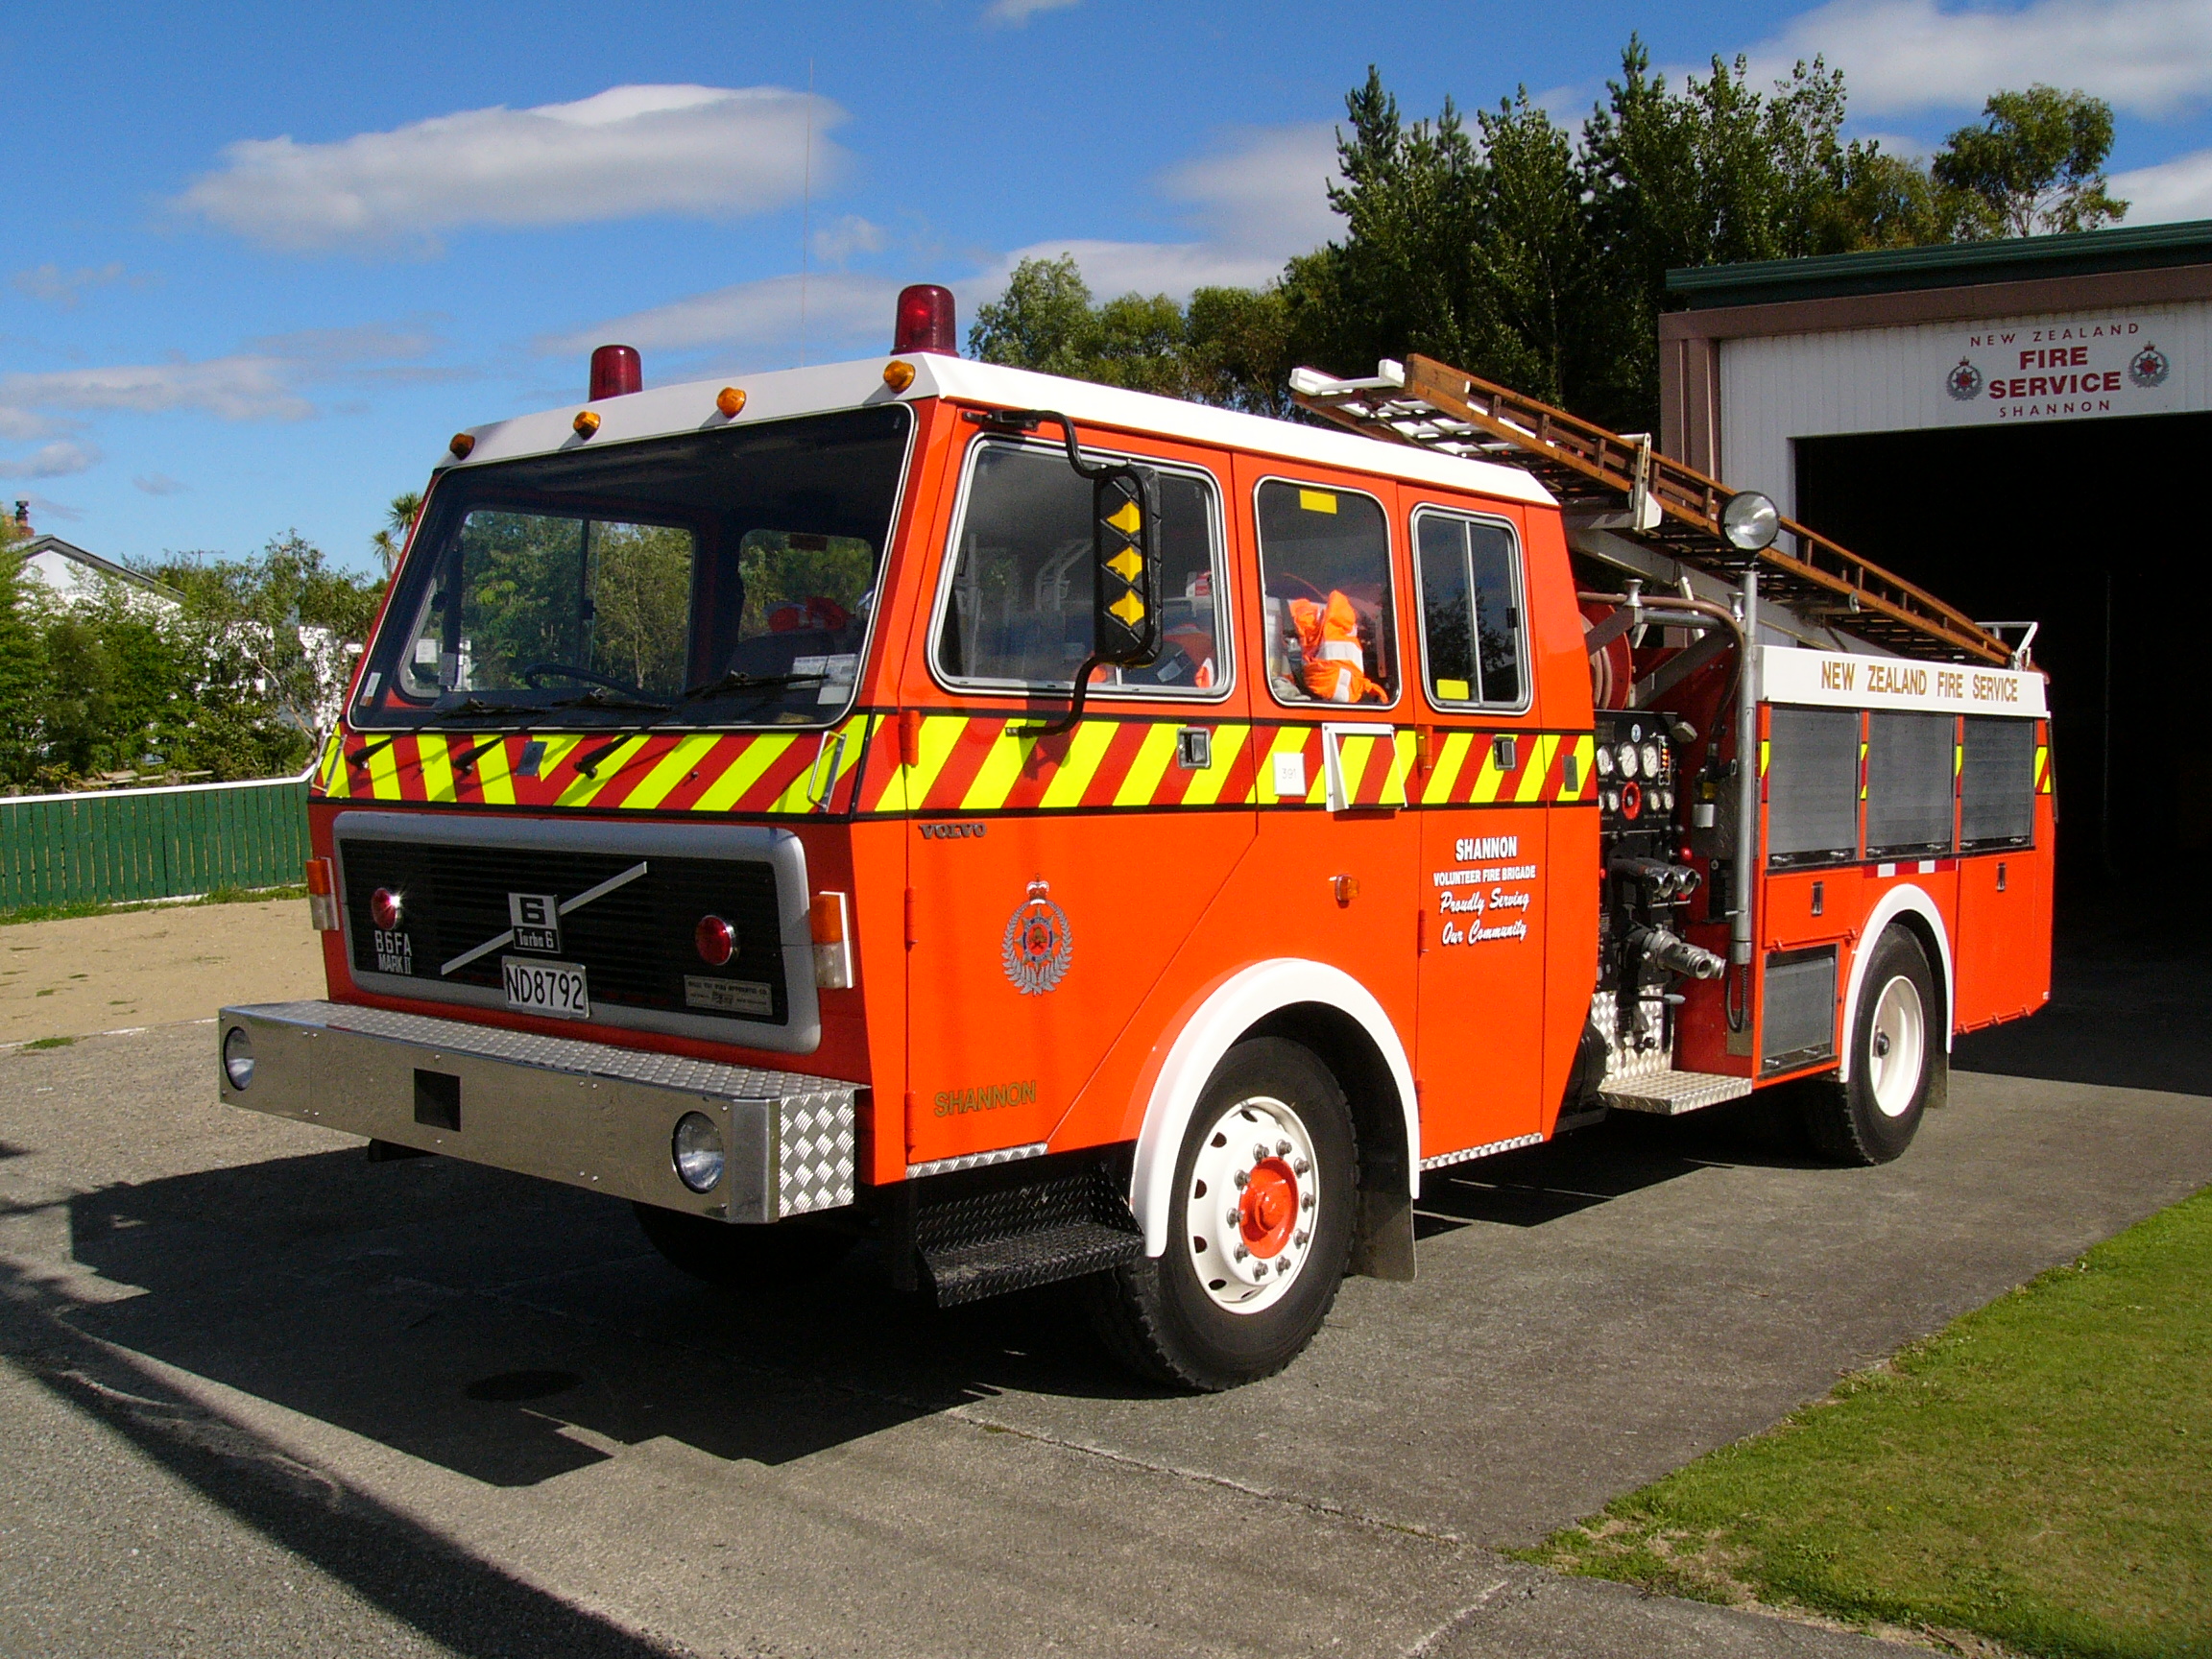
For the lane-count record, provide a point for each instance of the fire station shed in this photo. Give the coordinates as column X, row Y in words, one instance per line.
column 2024, row 427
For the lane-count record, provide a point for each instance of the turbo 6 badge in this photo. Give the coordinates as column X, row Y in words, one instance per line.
column 1039, row 944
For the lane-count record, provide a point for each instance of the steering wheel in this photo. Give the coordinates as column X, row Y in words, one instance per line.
column 569, row 671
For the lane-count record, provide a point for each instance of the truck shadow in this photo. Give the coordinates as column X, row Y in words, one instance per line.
column 512, row 1331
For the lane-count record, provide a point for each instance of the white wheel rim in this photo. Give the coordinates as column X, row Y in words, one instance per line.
column 1248, row 1213
column 1896, row 1046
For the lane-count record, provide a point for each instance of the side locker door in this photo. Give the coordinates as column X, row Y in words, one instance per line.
column 1053, row 878
column 1491, row 774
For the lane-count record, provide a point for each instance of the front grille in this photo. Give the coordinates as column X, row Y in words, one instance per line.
column 636, row 942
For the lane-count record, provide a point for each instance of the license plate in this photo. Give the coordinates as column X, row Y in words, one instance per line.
column 555, row 988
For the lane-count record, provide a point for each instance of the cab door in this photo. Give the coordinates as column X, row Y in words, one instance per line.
column 1484, row 773
column 1337, row 850
column 1051, row 878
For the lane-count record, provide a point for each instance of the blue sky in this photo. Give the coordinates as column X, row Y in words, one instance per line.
column 262, row 259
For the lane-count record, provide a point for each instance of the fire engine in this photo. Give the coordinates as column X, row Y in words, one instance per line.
column 1061, row 833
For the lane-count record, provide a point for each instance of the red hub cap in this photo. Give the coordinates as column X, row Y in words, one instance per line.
column 1269, row 1208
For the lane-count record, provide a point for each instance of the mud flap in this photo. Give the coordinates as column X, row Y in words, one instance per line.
column 1382, row 1244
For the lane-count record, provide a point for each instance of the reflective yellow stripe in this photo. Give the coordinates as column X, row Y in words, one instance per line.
column 1206, row 787
column 1288, row 740
column 384, row 774
column 1085, row 750
column 1764, row 748
column 493, row 775
column 437, row 769
column 581, row 790
column 1862, row 771
column 1148, row 768
column 2042, row 770
column 1354, row 754
column 1489, row 779
column 742, row 773
column 1002, row 768
column 1402, row 745
column 1446, row 771
column 1538, row 769
column 672, row 769
column 910, row 786
column 1585, row 781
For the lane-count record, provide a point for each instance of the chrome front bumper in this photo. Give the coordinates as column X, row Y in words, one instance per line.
column 587, row 1113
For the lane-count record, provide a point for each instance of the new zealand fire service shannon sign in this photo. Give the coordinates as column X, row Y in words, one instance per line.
column 2059, row 368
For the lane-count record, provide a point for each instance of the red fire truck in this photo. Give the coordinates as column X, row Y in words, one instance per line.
column 1061, row 833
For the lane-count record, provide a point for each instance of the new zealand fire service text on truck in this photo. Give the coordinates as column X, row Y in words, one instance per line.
column 1061, row 833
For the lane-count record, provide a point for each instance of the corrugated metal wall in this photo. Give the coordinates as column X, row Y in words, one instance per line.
column 1780, row 387
column 114, row 846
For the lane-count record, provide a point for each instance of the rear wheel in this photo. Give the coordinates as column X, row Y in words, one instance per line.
column 1265, row 1193
column 740, row 1258
column 1897, row 1060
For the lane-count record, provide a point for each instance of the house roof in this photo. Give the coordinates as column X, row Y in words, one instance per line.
column 1949, row 265
column 26, row 551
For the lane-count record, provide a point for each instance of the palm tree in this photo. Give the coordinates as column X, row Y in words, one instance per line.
column 398, row 519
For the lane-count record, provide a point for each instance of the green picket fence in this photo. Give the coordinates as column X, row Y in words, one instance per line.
column 114, row 846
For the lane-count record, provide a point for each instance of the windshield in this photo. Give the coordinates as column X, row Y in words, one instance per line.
column 722, row 578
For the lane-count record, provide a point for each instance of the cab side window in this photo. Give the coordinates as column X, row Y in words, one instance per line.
column 1017, row 607
column 1473, row 634
column 1325, row 568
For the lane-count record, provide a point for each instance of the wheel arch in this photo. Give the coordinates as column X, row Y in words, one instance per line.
column 1908, row 906
column 1309, row 1002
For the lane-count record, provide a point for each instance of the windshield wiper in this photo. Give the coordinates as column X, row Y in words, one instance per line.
column 722, row 687
column 473, row 705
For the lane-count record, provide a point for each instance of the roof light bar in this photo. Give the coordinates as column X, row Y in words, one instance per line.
column 924, row 320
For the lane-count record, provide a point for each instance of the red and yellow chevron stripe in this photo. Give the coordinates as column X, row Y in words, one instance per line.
column 960, row 764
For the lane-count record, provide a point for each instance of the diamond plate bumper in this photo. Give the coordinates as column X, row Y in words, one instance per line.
column 587, row 1113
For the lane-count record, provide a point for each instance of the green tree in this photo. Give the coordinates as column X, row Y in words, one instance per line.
column 22, row 671
column 399, row 520
column 2034, row 164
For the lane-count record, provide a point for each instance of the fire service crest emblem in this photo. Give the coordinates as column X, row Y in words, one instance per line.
column 1963, row 382
column 2148, row 368
column 1039, row 944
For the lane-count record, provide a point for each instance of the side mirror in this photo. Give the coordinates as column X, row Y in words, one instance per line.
column 1126, row 616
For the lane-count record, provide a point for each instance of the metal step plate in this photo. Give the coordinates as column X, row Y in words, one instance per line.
column 1669, row 1094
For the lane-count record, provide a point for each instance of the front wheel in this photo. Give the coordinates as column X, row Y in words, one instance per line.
column 1897, row 1059
column 1265, row 1187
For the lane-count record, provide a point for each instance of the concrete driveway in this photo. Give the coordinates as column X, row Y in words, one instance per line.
column 260, row 1396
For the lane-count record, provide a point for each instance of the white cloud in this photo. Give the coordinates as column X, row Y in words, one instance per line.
column 64, row 288
column 158, row 484
column 1015, row 14
column 1113, row 268
column 56, row 460
column 2146, row 57
column 750, row 316
column 1264, row 191
column 834, row 244
column 698, row 152
column 247, row 387
column 2177, row 189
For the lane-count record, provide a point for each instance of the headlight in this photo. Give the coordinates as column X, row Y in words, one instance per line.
column 1749, row 520
column 697, row 1148
column 238, row 1056
column 1627, row 759
column 1604, row 761
column 1650, row 760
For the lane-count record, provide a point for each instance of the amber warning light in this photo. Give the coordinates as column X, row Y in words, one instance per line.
column 926, row 321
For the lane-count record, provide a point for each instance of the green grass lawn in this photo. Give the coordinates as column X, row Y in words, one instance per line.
column 2038, row 1473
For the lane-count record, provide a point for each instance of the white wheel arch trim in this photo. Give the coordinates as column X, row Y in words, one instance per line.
column 1231, row 1009
column 1901, row 899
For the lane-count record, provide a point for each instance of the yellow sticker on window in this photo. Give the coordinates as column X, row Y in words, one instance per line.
column 1317, row 500
column 1451, row 690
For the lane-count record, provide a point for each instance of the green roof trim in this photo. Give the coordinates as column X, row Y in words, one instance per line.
column 1951, row 265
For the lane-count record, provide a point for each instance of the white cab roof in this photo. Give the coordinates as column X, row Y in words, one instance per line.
column 666, row 411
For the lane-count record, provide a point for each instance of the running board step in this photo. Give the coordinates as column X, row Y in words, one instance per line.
column 1670, row 1094
column 970, row 1272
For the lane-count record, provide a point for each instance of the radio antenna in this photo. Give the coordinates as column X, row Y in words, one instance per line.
column 805, row 211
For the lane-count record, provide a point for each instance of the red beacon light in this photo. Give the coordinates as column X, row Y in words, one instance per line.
column 926, row 321
column 616, row 372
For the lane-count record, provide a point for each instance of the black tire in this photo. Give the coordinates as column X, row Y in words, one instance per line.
column 1873, row 1118
column 1158, row 1315
column 740, row 1258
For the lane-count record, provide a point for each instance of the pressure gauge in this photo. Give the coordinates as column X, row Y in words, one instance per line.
column 1650, row 760
column 1604, row 761
column 1627, row 759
